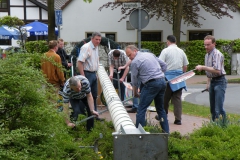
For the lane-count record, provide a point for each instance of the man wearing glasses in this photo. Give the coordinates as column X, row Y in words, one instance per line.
column 216, row 83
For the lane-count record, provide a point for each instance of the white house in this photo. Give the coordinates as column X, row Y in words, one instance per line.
column 80, row 19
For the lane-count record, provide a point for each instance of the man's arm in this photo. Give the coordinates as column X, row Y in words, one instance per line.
column 124, row 74
column 66, row 112
column 91, row 104
column 184, row 68
column 80, row 68
column 135, row 92
column 209, row 69
column 126, row 65
column 111, row 68
column 162, row 64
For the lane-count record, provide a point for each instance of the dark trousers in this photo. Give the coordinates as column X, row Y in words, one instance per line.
column 92, row 78
column 80, row 106
column 122, row 86
column 176, row 100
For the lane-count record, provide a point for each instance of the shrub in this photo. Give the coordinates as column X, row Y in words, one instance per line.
column 36, row 46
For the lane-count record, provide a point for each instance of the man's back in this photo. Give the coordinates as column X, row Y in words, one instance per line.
column 174, row 57
column 53, row 74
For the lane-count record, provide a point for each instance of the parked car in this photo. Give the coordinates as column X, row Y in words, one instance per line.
column 9, row 49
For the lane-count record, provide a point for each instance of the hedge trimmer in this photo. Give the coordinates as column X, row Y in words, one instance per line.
column 182, row 77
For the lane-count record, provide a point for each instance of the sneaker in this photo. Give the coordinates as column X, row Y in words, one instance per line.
column 133, row 110
column 177, row 122
column 156, row 117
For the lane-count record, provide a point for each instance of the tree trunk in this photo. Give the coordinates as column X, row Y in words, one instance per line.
column 177, row 20
column 51, row 20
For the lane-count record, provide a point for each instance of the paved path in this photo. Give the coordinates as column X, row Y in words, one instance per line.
column 189, row 123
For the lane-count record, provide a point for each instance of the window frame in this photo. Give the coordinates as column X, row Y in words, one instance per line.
column 201, row 32
column 157, row 31
column 5, row 9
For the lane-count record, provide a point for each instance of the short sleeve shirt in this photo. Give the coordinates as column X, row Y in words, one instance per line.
column 121, row 61
column 68, row 93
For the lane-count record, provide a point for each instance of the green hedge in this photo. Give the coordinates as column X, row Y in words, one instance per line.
column 36, row 46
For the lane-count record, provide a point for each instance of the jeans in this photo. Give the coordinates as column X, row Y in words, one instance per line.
column 122, row 86
column 135, row 103
column 217, row 96
column 80, row 106
column 153, row 90
column 92, row 78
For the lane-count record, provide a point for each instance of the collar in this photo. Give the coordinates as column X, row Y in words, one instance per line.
column 91, row 45
column 172, row 45
column 211, row 51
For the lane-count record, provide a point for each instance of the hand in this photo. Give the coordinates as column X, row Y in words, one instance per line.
column 199, row 67
column 71, row 125
column 121, row 80
column 111, row 77
column 121, row 67
column 137, row 95
column 69, row 64
column 95, row 113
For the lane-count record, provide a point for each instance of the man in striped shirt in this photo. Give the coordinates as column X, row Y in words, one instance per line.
column 77, row 91
column 217, row 83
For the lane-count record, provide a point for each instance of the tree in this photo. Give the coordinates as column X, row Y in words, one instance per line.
column 51, row 19
column 174, row 11
column 16, row 23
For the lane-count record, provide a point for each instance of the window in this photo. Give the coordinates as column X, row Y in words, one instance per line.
column 5, row 42
column 3, row 4
column 151, row 36
column 198, row 35
column 89, row 35
column 111, row 36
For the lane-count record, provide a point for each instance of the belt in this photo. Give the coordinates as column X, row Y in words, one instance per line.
column 90, row 71
column 151, row 80
column 217, row 78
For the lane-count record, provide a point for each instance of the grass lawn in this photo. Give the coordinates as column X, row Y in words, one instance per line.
column 200, row 110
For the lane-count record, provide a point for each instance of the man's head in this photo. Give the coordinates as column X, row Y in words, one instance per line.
column 131, row 51
column 171, row 39
column 75, row 84
column 209, row 43
column 53, row 45
column 96, row 38
column 60, row 43
column 116, row 54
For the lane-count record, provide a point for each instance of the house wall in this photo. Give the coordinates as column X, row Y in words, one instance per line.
column 80, row 17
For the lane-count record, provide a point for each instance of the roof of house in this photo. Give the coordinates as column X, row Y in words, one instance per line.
column 59, row 4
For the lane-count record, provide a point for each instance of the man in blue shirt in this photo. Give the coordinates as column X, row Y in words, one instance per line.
column 148, row 69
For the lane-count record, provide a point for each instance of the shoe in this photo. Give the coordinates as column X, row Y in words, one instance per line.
column 99, row 119
column 133, row 110
column 177, row 122
column 156, row 117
